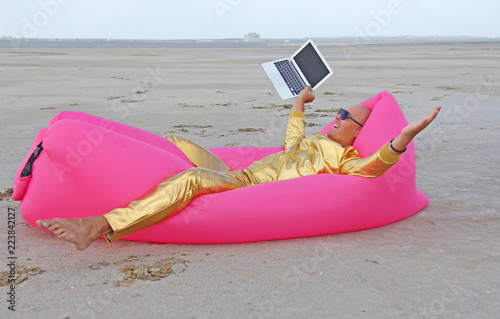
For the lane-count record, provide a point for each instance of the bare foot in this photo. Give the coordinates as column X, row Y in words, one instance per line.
column 80, row 232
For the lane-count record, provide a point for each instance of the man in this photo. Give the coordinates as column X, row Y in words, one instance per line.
column 330, row 153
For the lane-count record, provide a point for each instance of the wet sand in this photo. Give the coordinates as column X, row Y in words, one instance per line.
column 442, row 262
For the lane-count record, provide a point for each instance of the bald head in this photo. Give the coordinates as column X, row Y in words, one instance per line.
column 359, row 112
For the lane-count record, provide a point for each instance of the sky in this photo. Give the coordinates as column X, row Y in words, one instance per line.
column 220, row 19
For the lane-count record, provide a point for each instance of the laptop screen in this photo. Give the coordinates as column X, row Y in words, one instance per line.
column 311, row 64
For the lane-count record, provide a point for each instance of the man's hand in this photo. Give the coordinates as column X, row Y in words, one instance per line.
column 305, row 96
column 411, row 130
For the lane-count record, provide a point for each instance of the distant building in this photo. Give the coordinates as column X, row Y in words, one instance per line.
column 252, row 37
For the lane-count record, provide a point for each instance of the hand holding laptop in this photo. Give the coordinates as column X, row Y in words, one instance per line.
column 305, row 96
column 291, row 75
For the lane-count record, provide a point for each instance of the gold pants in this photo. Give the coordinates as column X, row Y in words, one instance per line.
column 198, row 155
column 176, row 192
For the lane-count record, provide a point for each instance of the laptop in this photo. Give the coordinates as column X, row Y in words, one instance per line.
column 291, row 75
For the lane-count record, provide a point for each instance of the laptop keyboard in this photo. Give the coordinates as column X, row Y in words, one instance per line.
column 290, row 76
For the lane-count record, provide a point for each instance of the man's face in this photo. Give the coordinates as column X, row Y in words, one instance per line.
column 345, row 131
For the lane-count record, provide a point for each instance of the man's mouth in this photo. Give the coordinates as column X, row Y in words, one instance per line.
column 336, row 125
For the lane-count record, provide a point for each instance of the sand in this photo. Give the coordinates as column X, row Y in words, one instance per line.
column 442, row 262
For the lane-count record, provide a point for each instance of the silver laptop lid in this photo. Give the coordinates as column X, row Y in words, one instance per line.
column 311, row 64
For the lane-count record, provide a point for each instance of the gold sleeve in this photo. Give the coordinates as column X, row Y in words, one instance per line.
column 370, row 166
column 295, row 129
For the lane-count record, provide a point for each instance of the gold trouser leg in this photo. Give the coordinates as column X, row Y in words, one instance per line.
column 198, row 155
column 169, row 197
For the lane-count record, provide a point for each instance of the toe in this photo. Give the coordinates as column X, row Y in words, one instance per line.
column 53, row 227
column 58, row 231
column 41, row 223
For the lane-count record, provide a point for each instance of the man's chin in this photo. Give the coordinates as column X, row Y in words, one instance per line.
column 332, row 132
column 331, row 136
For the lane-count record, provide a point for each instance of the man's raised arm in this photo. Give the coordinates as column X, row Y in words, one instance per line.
column 295, row 129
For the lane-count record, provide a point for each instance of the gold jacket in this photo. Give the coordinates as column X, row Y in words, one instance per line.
column 317, row 154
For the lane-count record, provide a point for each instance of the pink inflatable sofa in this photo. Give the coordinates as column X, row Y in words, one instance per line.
column 84, row 165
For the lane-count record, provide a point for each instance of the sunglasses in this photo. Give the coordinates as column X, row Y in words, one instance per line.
column 345, row 115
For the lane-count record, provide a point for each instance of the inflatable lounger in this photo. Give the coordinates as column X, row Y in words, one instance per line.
column 83, row 165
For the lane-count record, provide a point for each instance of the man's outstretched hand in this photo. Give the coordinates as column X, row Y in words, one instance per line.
column 411, row 130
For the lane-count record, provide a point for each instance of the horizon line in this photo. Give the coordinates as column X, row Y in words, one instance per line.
column 243, row 38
